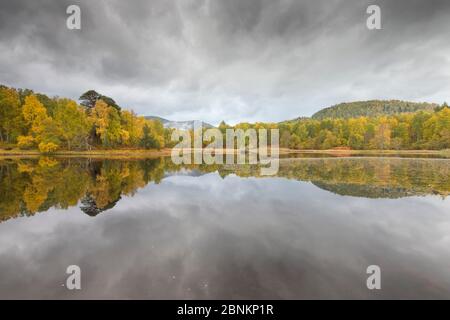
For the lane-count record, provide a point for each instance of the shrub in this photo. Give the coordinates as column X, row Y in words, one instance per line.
column 25, row 142
column 48, row 147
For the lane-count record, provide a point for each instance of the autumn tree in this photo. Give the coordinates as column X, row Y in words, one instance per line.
column 42, row 131
column 106, row 121
column 11, row 120
column 72, row 123
column 132, row 127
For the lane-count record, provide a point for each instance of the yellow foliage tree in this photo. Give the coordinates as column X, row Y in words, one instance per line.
column 107, row 123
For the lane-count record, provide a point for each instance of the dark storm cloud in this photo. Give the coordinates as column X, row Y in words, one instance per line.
column 234, row 59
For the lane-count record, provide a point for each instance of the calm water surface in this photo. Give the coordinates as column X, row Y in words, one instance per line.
column 150, row 229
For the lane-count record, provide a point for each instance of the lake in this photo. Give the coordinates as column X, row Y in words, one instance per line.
column 149, row 229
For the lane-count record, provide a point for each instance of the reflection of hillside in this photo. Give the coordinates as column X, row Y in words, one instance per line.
column 28, row 186
column 366, row 191
column 374, row 177
column 365, row 177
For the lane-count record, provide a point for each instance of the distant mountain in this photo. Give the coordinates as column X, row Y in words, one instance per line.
column 162, row 120
column 180, row 125
column 371, row 108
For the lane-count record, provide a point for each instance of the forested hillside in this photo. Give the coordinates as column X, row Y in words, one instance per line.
column 428, row 129
column 418, row 130
column 371, row 108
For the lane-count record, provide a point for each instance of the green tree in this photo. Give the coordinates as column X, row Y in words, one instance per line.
column 149, row 140
column 90, row 98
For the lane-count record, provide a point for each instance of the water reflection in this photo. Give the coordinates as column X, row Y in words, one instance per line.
column 28, row 186
column 165, row 231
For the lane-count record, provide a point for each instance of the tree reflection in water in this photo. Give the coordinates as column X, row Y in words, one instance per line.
column 28, row 186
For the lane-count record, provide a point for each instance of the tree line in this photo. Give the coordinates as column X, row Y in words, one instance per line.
column 416, row 130
column 424, row 129
column 32, row 120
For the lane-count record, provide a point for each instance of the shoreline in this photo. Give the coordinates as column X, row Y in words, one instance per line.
column 371, row 152
column 120, row 153
column 143, row 153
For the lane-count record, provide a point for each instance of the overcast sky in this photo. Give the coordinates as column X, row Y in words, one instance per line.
column 232, row 60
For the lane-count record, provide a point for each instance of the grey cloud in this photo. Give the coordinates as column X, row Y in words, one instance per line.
column 238, row 60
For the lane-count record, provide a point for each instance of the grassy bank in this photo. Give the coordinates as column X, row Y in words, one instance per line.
column 445, row 152
column 119, row 153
